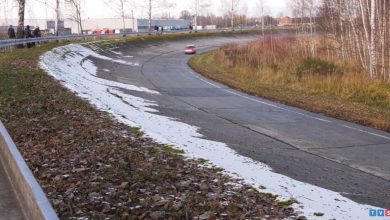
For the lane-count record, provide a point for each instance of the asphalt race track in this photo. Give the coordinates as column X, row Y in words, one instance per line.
column 326, row 152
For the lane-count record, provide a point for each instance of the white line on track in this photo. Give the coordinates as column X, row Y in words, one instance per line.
column 285, row 109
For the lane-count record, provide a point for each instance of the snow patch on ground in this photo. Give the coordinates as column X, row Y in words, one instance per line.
column 71, row 66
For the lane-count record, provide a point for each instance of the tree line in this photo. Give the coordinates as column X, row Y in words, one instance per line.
column 125, row 9
column 361, row 29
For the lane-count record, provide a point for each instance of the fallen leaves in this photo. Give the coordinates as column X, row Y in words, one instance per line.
column 91, row 166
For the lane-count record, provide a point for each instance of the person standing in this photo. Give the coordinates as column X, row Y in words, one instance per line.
column 37, row 32
column 156, row 29
column 27, row 34
column 11, row 32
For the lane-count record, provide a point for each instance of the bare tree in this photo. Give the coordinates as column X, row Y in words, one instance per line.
column 361, row 28
column 75, row 13
column 186, row 15
column 167, row 6
column 58, row 18
column 373, row 23
column 198, row 6
column 232, row 8
column 120, row 7
column 21, row 11
column 261, row 7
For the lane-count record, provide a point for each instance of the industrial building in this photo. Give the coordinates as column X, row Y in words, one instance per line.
column 167, row 24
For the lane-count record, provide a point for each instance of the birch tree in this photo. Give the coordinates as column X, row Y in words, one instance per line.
column 232, row 8
column 120, row 7
column 361, row 27
column 261, row 8
column 373, row 61
column 75, row 13
column 167, row 6
column 198, row 6
column 58, row 18
column 21, row 12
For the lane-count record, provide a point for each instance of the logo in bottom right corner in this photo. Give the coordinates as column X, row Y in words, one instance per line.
column 379, row 213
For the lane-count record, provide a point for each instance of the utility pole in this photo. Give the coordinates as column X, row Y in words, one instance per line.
column 57, row 16
column 122, row 5
column 150, row 17
column 196, row 14
column 132, row 17
column 232, row 12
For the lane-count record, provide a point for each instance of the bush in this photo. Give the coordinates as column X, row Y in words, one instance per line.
column 317, row 66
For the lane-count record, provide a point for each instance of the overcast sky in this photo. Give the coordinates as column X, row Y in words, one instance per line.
column 99, row 9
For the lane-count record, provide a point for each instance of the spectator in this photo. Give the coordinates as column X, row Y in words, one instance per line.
column 11, row 32
column 27, row 34
column 37, row 32
column 162, row 30
column 156, row 29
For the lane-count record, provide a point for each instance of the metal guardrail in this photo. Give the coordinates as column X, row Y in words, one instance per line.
column 32, row 199
column 14, row 42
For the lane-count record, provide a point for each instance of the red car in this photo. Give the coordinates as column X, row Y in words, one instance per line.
column 190, row 49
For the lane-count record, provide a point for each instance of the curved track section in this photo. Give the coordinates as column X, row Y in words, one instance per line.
column 345, row 158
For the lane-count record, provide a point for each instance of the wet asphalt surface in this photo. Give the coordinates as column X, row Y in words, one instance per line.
column 326, row 152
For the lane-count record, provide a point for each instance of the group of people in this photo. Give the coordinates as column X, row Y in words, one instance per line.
column 158, row 30
column 27, row 33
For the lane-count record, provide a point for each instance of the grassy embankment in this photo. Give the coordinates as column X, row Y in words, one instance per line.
column 284, row 70
column 93, row 167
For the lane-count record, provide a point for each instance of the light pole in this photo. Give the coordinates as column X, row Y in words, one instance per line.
column 196, row 14
column 150, row 17
column 232, row 21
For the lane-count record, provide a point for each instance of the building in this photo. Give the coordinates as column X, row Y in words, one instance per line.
column 288, row 21
column 99, row 25
column 167, row 24
column 47, row 27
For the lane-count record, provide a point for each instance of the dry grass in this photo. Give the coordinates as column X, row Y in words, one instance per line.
column 284, row 69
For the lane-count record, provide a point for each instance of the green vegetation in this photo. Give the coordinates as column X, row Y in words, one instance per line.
column 217, row 169
column 310, row 66
column 281, row 69
column 137, row 131
column 172, row 149
column 272, row 196
column 319, row 214
column 261, row 187
column 287, row 203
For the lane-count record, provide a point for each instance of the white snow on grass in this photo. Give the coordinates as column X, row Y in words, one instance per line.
column 71, row 66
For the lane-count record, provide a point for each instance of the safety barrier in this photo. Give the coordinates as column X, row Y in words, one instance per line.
column 31, row 197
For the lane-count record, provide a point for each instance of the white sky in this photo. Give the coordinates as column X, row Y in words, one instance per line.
column 99, row 9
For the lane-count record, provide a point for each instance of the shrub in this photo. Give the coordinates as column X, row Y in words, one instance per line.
column 316, row 66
